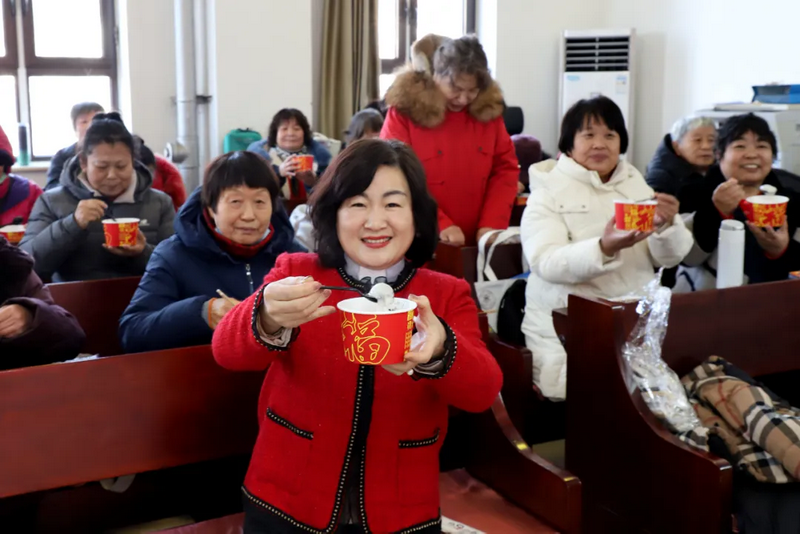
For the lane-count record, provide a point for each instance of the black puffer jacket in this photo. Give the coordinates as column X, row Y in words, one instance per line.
column 669, row 173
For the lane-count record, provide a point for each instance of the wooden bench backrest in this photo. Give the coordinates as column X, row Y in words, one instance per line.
column 97, row 305
column 644, row 472
column 461, row 262
column 66, row 424
column 753, row 327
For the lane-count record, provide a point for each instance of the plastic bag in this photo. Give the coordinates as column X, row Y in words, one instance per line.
column 660, row 386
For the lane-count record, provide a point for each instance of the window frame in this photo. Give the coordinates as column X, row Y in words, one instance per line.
column 55, row 66
column 407, row 31
column 9, row 63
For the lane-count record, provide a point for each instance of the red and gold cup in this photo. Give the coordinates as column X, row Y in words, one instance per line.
column 13, row 233
column 635, row 216
column 305, row 163
column 373, row 336
column 766, row 210
column 120, row 232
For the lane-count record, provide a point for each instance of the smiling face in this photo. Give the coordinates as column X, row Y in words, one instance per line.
column 748, row 159
column 376, row 228
column 243, row 214
column 596, row 148
column 290, row 136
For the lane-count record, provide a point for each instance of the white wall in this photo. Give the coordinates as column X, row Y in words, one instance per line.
column 263, row 61
column 528, row 44
column 147, row 69
column 689, row 55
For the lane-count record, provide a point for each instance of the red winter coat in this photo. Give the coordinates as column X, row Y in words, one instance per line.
column 468, row 156
column 168, row 179
column 317, row 409
column 17, row 194
column 17, row 197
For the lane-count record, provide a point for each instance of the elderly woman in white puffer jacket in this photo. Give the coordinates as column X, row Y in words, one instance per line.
column 569, row 237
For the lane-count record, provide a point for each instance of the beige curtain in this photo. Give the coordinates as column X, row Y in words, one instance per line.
column 350, row 62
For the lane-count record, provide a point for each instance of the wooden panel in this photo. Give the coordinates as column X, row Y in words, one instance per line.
column 98, row 305
column 500, row 458
column 65, row 424
column 632, row 467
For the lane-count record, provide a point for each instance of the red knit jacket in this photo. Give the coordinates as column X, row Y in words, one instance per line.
column 317, row 410
column 470, row 165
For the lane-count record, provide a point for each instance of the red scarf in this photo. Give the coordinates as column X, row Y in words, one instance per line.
column 237, row 250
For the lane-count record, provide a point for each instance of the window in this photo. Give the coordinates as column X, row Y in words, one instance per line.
column 400, row 22
column 65, row 53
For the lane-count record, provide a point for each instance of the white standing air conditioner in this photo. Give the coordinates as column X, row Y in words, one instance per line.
column 598, row 62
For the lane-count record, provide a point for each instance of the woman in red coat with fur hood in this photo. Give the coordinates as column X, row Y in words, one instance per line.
column 449, row 110
column 345, row 447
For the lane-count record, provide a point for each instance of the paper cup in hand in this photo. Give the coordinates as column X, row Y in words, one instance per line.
column 13, row 233
column 766, row 210
column 305, row 163
column 373, row 336
column 632, row 215
column 120, row 232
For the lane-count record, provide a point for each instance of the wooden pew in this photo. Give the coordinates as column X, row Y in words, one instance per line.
column 98, row 305
column 65, row 424
column 638, row 476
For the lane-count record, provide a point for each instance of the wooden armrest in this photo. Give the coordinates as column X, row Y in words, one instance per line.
column 501, row 459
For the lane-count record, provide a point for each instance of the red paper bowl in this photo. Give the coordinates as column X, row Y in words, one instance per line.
column 632, row 215
column 13, row 233
column 371, row 336
column 766, row 210
column 120, row 232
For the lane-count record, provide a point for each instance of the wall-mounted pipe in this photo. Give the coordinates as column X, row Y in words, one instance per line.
column 186, row 92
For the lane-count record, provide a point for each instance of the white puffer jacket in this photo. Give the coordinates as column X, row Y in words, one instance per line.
column 567, row 212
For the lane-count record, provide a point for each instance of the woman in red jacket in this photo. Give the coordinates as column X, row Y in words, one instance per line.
column 344, row 447
column 166, row 176
column 450, row 111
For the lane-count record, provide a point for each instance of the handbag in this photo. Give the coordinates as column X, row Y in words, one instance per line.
column 488, row 288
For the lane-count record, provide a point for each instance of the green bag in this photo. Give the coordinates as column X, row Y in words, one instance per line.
column 240, row 139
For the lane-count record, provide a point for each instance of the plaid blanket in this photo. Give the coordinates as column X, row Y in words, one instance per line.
column 760, row 431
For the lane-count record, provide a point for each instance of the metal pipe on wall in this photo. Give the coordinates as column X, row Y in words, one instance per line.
column 201, row 81
column 186, row 92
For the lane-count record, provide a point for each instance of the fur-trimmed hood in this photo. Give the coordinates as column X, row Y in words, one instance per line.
column 415, row 94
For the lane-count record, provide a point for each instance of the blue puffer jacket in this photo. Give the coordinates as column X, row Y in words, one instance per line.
column 184, row 272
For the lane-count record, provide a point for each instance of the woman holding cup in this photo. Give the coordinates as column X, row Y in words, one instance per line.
column 592, row 227
column 293, row 152
column 345, row 446
column 104, row 219
column 746, row 148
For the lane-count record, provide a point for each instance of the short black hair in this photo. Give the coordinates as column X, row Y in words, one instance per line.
column 82, row 108
column 143, row 152
column 284, row 115
column 735, row 127
column 107, row 128
column 350, row 174
column 366, row 120
column 599, row 109
column 234, row 169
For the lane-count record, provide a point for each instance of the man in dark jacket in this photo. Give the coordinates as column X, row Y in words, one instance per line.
column 177, row 304
column 33, row 330
column 682, row 159
column 82, row 115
